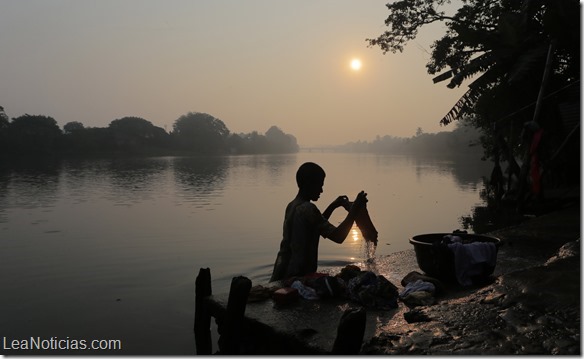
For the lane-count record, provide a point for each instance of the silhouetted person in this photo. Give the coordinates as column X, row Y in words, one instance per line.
column 304, row 224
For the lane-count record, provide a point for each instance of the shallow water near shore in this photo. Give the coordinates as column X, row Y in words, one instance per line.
column 110, row 248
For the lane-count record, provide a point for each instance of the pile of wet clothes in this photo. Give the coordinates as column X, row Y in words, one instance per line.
column 369, row 289
column 420, row 290
column 363, row 287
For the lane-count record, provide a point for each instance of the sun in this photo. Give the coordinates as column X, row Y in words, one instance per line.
column 356, row 64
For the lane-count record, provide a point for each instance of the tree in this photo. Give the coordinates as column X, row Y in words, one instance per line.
column 235, row 143
column 501, row 44
column 135, row 133
column 255, row 142
column 200, row 132
column 72, row 127
column 32, row 134
column 280, row 142
column 521, row 59
column 92, row 140
column 4, row 121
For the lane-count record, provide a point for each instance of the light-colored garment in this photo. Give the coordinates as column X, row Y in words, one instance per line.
column 418, row 286
column 471, row 259
column 304, row 291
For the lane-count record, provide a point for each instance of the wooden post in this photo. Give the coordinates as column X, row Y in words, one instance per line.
column 544, row 82
column 229, row 343
column 202, row 326
column 350, row 332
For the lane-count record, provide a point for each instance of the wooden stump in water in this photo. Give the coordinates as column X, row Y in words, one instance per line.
column 229, row 342
column 202, row 325
column 350, row 332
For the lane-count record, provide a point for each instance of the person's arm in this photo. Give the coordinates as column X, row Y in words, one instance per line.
column 340, row 233
column 340, row 201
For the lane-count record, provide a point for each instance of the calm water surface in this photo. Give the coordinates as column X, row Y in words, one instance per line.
column 110, row 248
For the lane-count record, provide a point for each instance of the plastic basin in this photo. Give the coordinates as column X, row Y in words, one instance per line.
column 437, row 260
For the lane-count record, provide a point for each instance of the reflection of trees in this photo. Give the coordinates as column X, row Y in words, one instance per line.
column 273, row 164
column 80, row 176
column 276, row 163
column 124, row 179
column 4, row 185
column 469, row 171
column 492, row 215
column 135, row 178
column 466, row 171
column 198, row 178
column 29, row 182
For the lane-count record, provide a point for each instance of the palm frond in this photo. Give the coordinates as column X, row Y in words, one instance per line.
column 443, row 76
column 527, row 61
column 462, row 106
column 474, row 66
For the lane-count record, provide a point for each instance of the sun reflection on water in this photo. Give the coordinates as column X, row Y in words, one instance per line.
column 355, row 233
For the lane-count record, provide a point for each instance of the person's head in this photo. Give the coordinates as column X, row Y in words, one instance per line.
column 310, row 179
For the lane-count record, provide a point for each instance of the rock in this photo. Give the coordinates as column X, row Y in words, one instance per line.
column 416, row 316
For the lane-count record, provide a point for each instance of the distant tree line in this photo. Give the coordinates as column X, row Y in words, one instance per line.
column 192, row 133
column 463, row 139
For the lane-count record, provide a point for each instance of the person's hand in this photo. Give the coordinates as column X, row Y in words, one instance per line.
column 360, row 200
column 342, row 201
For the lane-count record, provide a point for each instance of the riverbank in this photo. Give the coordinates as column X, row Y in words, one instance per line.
column 531, row 307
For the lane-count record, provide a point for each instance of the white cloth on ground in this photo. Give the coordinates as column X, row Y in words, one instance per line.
column 471, row 259
column 304, row 291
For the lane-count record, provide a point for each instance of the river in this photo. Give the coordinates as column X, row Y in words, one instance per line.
column 110, row 248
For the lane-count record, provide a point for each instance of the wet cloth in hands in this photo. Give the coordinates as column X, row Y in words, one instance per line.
column 366, row 226
column 471, row 259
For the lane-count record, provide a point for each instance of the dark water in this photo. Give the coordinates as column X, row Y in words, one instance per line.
column 110, row 248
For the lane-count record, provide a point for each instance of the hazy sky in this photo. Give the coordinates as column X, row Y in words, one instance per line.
column 251, row 64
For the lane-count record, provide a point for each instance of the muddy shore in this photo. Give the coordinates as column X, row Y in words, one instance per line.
column 531, row 305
